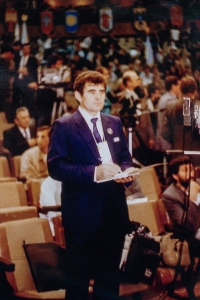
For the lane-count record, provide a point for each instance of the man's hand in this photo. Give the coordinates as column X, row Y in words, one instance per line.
column 105, row 171
column 128, row 178
column 194, row 190
column 32, row 142
column 33, row 85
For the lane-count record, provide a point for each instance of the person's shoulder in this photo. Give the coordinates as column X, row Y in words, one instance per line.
column 172, row 191
column 110, row 118
column 11, row 130
column 65, row 119
column 31, row 151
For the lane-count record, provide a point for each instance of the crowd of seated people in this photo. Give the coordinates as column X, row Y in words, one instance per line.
column 143, row 95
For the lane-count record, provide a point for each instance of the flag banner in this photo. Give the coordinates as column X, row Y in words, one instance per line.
column 71, row 20
column 46, row 22
column 176, row 15
column 106, row 19
column 11, row 18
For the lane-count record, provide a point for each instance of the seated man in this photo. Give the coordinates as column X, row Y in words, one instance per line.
column 22, row 136
column 183, row 188
column 33, row 161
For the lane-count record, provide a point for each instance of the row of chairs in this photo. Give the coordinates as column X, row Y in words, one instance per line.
column 19, row 222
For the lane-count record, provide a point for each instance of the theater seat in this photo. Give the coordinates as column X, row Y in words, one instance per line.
column 5, row 172
column 147, row 213
column 150, row 184
column 12, row 236
column 13, row 204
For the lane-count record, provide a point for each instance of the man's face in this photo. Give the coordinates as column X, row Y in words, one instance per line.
column 26, row 50
column 23, row 119
column 92, row 99
column 156, row 95
column 42, row 139
column 134, row 80
column 185, row 173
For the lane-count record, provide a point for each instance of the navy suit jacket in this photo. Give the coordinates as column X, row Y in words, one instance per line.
column 72, row 158
column 15, row 142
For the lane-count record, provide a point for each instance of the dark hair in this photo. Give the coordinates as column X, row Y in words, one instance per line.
column 26, row 44
column 43, row 128
column 6, row 48
column 175, row 163
column 88, row 76
column 152, row 88
column 188, row 85
column 169, row 81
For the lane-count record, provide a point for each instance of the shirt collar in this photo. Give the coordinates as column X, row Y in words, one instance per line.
column 87, row 116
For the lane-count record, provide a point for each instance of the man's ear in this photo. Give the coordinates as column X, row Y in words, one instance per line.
column 175, row 176
column 78, row 96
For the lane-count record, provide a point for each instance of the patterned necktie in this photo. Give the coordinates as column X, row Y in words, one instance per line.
column 26, row 135
column 95, row 131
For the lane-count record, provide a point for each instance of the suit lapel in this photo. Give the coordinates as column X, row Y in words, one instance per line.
column 108, row 129
column 85, row 132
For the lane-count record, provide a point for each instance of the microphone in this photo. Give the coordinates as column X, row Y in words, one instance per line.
column 186, row 111
column 186, row 152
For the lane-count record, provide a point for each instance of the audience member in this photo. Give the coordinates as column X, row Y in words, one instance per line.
column 175, row 199
column 173, row 130
column 146, row 75
column 172, row 85
column 7, row 55
column 108, row 103
column 133, row 103
column 34, row 160
column 25, row 81
column 50, row 195
column 152, row 104
column 22, row 136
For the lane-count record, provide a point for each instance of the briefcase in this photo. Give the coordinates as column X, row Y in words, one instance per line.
column 140, row 258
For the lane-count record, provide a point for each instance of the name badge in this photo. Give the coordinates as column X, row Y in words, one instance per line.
column 104, row 152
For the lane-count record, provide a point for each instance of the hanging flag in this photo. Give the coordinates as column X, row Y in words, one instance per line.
column 71, row 20
column 24, row 36
column 106, row 19
column 46, row 22
column 11, row 18
column 176, row 14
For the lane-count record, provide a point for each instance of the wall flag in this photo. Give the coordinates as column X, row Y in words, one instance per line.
column 46, row 22
column 106, row 19
column 71, row 20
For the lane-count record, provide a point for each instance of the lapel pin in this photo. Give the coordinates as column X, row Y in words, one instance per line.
column 109, row 130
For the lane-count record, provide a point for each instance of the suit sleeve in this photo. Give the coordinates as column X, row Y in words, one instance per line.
column 15, row 146
column 176, row 212
column 167, row 126
column 59, row 161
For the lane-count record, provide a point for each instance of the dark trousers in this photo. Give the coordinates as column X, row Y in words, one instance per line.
column 96, row 257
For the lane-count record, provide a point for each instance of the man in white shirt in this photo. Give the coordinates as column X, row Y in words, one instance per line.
column 34, row 160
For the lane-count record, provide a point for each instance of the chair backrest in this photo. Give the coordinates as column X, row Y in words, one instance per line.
column 4, row 167
column 34, row 192
column 12, row 194
column 17, row 163
column 147, row 213
column 149, row 184
column 12, row 236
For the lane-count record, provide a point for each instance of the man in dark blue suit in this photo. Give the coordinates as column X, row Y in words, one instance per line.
column 83, row 151
column 25, row 81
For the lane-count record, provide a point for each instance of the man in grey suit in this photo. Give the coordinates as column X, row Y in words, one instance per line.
column 86, row 147
column 181, row 200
